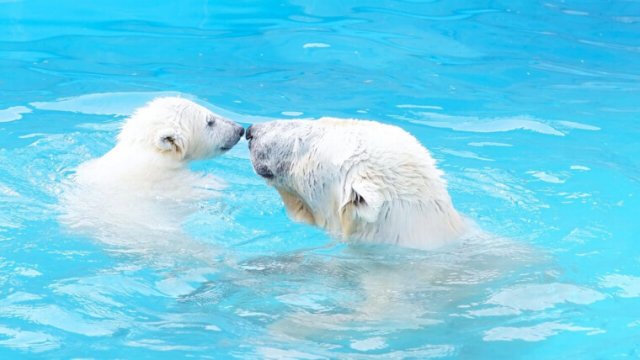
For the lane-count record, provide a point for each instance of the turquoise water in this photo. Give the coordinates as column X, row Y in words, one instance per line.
column 531, row 109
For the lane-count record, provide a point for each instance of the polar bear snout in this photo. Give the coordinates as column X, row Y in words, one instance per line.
column 259, row 154
column 273, row 148
column 249, row 134
column 238, row 132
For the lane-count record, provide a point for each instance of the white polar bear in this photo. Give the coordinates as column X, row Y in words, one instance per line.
column 359, row 180
column 138, row 193
column 157, row 142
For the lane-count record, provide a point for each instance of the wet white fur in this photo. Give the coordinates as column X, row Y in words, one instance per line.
column 360, row 180
column 156, row 143
column 137, row 195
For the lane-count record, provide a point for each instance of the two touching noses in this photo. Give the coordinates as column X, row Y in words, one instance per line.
column 249, row 133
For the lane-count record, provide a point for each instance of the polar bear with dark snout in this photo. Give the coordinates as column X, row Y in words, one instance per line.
column 139, row 193
column 362, row 181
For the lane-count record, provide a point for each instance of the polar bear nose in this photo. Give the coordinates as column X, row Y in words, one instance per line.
column 240, row 131
column 248, row 134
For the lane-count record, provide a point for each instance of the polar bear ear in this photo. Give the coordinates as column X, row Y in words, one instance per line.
column 170, row 140
column 362, row 202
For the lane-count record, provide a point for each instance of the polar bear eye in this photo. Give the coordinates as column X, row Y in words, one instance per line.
column 211, row 122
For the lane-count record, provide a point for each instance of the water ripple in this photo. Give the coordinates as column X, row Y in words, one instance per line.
column 537, row 332
column 33, row 341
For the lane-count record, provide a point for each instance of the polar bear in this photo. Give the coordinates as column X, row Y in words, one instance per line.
column 137, row 195
column 362, row 181
column 158, row 141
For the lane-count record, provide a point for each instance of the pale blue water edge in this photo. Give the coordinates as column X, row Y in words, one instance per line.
column 531, row 108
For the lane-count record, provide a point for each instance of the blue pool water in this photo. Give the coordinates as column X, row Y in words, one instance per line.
column 531, row 108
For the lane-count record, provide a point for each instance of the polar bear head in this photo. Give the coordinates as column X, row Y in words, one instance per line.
column 180, row 130
column 360, row 180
